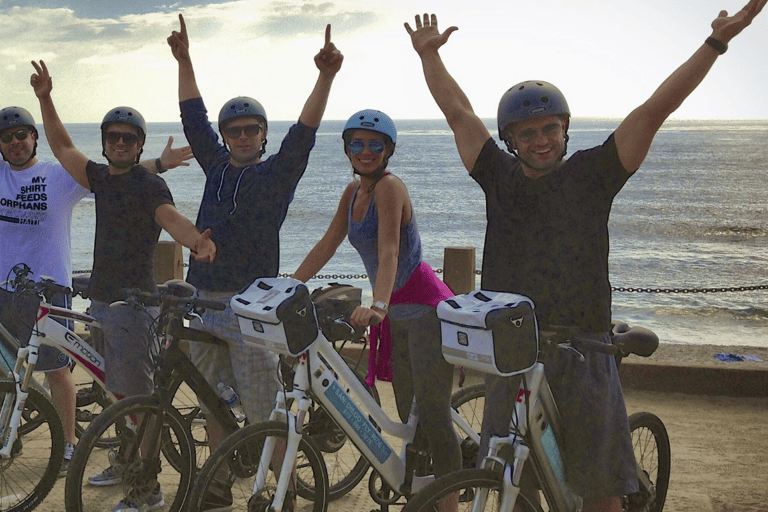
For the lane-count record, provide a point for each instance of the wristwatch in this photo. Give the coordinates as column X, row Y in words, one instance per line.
column 380, row 305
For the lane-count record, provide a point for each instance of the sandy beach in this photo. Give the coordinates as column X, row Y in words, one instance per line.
column 719, row 447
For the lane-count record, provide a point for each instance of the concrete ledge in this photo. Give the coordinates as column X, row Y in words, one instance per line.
column 670, row 378
column 693, row 379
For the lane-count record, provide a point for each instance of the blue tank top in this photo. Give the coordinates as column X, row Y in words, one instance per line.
column 364, row 236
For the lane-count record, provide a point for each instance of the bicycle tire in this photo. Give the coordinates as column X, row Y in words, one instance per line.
column 186, row 404
column 137, row 480
column 652, row 452
column 345, row 464
column 29, row 475
column 469, row 402
column 236, row 457
column 90, row 402
column 466, row 482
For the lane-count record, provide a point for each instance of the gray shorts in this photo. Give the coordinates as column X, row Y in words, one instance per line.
column 127, row 340
column 250, row 370
column 597, row 447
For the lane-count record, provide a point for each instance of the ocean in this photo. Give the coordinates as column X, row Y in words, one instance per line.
column 694, row 217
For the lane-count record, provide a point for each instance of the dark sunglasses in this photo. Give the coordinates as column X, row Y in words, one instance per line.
column 20, row 134
column 358, row 146
column 129, row 139
column 251, row 130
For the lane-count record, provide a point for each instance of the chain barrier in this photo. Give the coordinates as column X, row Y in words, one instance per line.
column 731, row 289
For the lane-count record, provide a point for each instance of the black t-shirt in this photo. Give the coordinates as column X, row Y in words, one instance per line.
column 548, row 238
column 126, row 231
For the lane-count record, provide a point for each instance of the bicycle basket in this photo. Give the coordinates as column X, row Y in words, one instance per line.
column 18, row 312
column 277, row 314
column 491, row 332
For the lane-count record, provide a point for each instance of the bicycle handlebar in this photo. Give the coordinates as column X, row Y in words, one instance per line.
column 625, row 340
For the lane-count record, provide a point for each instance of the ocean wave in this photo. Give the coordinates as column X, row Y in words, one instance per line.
column 737, row 231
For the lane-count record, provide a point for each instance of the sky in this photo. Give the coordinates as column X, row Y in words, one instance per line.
column 607, row 56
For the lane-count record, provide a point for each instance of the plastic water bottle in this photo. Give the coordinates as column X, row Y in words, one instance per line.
column 232, row 400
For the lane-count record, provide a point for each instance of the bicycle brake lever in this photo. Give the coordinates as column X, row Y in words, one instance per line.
column 191, row 315
column 567, row 345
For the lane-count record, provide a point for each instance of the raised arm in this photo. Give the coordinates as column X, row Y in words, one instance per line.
column 635, row 134
column 468, row 129
column 179, row 43
column 61, row 144
column 328, row 61
column 326, row 247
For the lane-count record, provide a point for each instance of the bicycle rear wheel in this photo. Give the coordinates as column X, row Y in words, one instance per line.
column 227, row 478
column 133, row 422
column 652, row 453
column 467, row 483
column 30, row 473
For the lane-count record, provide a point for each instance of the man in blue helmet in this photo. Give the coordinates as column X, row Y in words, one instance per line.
column 547, row 237
column 36, row 204
column 245, row 202
column 132, row 206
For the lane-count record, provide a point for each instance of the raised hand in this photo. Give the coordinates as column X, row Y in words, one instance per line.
column 427, row 37
column 41, row 81
column 179, row 41
column 725, row 28
column 172, row 158
column 329, row 59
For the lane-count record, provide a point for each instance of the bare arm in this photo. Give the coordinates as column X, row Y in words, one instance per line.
column 184, row 232
column 326, row 247
column 61, row 144
column 468, row 129
column 635, row 134
column 179, row 43
column 328, row 61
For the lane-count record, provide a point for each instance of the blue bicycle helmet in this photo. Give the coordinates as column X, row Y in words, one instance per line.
column 529, row 100
column 372, row 120
column 125, row 115
column 242, row 106
column 16, row 117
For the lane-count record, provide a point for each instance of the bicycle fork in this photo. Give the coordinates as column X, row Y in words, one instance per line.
column 13, row 406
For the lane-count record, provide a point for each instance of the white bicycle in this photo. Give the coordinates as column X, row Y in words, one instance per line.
column 497, row 333
column 277, row 314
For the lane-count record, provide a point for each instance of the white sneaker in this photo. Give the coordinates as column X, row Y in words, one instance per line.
column 153, row 502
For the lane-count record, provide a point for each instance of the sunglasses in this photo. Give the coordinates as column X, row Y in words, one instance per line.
column 129, row 139
column 251, row 130
column 358, row 146
column 20, row 134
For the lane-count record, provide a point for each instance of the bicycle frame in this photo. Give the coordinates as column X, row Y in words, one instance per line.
column 535, row 431
column 320, row 374
column 48, row 332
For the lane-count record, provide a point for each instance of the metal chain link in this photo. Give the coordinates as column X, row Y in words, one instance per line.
column 333, row 277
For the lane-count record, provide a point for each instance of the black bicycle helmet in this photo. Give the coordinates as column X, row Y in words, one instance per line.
column 125, row 115
column 242, row 106
column 16, row 117
column 529, row 100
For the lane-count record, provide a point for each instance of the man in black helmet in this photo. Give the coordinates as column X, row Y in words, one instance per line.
column 36, row 204
column 132, row 206
column 245, row 202
column 547, row 238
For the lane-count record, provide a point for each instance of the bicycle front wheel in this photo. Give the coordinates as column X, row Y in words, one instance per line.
column 227, row 479
column 652, row 453
column 30, row 473
column 469, row 402
column 100, row 478
column 466, row 485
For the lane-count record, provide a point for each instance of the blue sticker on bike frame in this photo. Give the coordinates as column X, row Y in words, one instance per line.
column 352, row 414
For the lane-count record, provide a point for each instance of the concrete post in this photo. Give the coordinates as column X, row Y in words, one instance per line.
column 459, row 269
column 169, row 261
